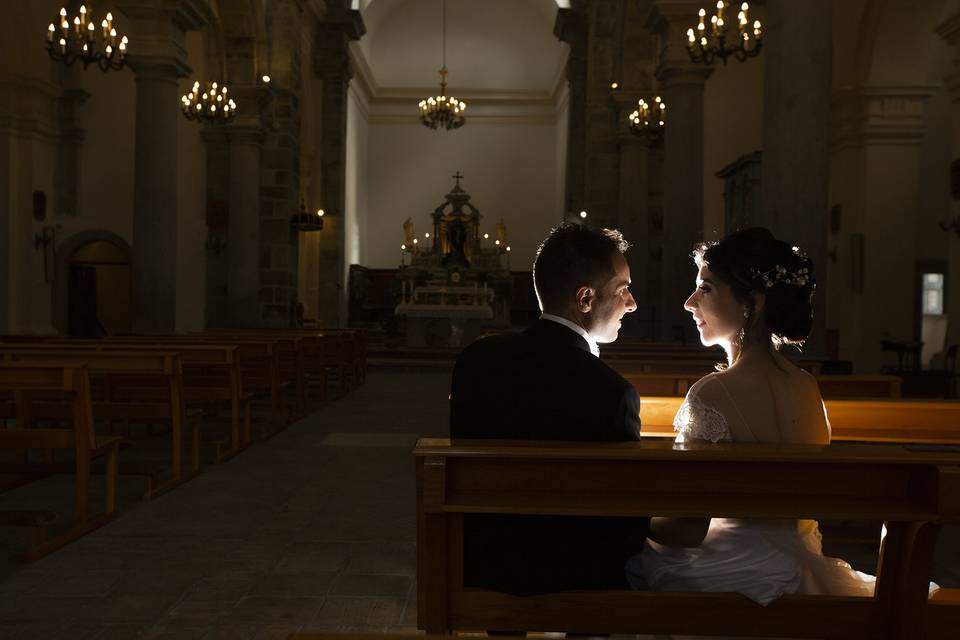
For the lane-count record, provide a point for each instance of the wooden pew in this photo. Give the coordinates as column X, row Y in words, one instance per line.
column 866, row 420
column 335, row 355
column 852, row 386
column 912, row 492
column 258, row 361
column 69, row 383
column 134, row 387
column 211, row 379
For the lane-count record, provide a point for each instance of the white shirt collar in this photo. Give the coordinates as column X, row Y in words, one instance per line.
column 594, row 348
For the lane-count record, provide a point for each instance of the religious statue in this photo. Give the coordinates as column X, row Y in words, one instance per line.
column 502, row 232
column 456, row 236
column 409, row 232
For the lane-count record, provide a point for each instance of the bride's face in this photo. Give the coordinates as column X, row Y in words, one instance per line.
column 717, row 313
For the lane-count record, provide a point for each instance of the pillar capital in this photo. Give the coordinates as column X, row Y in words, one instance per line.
column 334, row 34
column 571, row 26
column 159, row 68
column 251, row 101
column 879, row 115
column 157, row 31
column 670, row 20
column 238, row 133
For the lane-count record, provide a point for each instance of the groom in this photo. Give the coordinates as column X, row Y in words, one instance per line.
column 548, row 383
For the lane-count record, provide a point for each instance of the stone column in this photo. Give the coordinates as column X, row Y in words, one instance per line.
column 877, row 135
column 217, row 148
column 634, row 213
column 572, row 27
column 681, row 85
column 243, row 228
column 796, row 129
column 155, row 172
column 68, row 170
column 332, row 66
column 949, row 30
column 157, row 35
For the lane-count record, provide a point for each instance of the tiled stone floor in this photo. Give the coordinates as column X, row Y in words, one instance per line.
column 313, row 529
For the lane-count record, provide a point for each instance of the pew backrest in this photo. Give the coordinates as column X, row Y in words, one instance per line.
column 912, row 492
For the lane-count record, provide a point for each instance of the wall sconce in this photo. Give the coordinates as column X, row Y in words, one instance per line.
column 303, row 221
column 46, row 237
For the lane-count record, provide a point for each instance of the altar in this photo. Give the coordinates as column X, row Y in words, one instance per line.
column 458, row 279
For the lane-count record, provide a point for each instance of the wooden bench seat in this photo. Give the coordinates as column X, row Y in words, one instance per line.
column 71, row 382
column 340, row 353
column 211, row 381
column 912, row 492
column 867, row 420
column 258, row 362
column 140, row 387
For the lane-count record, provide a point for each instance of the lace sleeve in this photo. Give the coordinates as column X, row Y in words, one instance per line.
column 698, row 421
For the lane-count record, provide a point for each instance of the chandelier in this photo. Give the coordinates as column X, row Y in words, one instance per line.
column 648, row 120
column 442, row 110
column 213, row 105
column 705, row 48
column 84, row 42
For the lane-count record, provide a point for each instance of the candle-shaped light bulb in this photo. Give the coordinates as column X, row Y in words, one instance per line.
column 50, row 31
column 508, row 247
column 214, row 85
column 496, row 242
column 63, row 12
column 403, row 247
column 113, row 32
column 415, row 241
column 486, row 236
column 109, row 17
column 583, row 215
column 321, row 213
column 426, row 235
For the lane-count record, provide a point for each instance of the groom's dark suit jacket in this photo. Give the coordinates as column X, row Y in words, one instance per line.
column 544, row 384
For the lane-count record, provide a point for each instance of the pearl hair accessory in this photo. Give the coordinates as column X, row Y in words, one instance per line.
column 779, row 273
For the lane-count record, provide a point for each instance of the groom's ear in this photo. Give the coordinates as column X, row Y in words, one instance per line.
column 585, row 297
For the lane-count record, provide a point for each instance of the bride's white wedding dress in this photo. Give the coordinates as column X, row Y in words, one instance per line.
column 762, row 559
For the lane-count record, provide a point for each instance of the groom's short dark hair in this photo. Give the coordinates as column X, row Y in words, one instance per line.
column 573, row 256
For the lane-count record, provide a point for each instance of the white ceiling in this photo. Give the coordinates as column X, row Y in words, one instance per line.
column 492, row 45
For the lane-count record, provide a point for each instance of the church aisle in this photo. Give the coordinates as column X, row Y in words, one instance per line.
column 313, row 529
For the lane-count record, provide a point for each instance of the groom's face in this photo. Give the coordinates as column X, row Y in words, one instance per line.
column 613, row 301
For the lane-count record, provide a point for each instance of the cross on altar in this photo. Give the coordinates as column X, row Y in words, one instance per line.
column 458, row 176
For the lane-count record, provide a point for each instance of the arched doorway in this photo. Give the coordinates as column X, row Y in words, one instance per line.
column 96, row 287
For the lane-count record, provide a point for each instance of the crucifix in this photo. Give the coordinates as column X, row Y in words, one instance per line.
column 458, row 176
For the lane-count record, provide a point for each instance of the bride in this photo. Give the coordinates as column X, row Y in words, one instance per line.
column 753, row 294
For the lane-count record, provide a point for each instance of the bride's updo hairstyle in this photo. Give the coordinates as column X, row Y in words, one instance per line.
column 753, row 260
